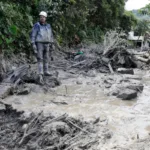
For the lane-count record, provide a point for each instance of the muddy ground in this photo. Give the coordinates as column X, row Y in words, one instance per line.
column 93, row 112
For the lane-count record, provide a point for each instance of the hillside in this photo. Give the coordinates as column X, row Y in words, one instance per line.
column 139, row 16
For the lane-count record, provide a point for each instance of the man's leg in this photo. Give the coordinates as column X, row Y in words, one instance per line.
column 40, row 48
column 46, row 59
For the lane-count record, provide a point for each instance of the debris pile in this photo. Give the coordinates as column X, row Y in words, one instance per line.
column 45, row 133
column 18, row 81
column 125, row 87
column 108, row 56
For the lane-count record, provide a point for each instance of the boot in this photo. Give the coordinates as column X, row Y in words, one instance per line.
column 46, row 72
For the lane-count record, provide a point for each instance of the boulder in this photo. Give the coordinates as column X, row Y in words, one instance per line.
column 56, row 126
column 2, row 107
column 133, row 85
column 127, row 94
column 79, row 82
column 138, row 87
column 91, row 73
column 24, row 91
column 125, row 71
column 6, row 90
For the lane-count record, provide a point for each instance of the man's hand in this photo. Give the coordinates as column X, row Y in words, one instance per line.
column 52, row 47
column 34, row 49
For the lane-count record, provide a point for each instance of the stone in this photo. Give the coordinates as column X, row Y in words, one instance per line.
column 125, row 71
column 115, row 93
column 5, row 91
column 107, row 86
column 79, row 82
column 56, row 126
column 135, row 77
column 133, row 85
column 127, row 94
column 91, row 73
column 2, row 107
column 24, row 91
column 79, row 58
column 138, row 88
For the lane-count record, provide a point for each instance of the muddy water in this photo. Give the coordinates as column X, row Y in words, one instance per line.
column 128, row 120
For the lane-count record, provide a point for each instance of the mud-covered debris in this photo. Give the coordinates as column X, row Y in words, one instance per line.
column 138, row 87
column 127, row 94
column 2, row 107
column 40, row 132
column 6, row 90
column 125, row 71
column 24, row 91
column 79, row 82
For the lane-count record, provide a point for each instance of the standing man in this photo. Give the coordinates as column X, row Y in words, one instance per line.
column 42, row 40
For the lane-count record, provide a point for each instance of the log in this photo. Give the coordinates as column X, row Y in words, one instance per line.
column 17, row 74
column 146, row 55
column 141, row 54
column 145, row 60
column 110, row 68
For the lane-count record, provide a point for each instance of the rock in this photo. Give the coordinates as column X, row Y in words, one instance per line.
column 2, row 107
column 6, row 90
column 79, row 58
column 133, row 85
column 125, row 71
column 24, row 126
column 127, row 94
column 56, row 126
column 79, row 82
column 24, row 91
column 115, row 93
column 107, row 86
column 32, row 147
column 108, row 136
column 135, row 77
column 91, row 73
column 138, row 88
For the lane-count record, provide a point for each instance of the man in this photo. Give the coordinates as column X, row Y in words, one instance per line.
column 42, row 40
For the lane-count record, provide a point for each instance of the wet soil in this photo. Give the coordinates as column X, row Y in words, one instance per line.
column 88, row 102
column 126, row 121
column 38, row 132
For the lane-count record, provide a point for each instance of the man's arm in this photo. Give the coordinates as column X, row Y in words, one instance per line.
column 34, row 33
column 52, row 36
column 33, row 37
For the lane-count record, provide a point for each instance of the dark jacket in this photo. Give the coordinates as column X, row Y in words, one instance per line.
column 41, row 33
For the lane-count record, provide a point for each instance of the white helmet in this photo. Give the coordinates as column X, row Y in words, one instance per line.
column 43, row 13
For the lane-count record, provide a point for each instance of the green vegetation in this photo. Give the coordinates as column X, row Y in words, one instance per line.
column 143, row 23
column 128, row 21
column 88, row 19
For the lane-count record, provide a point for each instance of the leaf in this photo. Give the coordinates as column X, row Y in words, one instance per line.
column 13, row 29
column 9, row 41
column 1, row 41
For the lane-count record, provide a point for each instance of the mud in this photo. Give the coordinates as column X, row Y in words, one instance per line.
column 126, row 121
column 115, row 123
column 37, row 132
